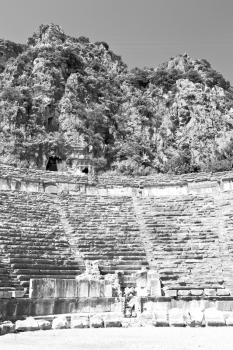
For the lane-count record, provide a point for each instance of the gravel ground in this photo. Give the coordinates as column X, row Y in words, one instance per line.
column 122, row 338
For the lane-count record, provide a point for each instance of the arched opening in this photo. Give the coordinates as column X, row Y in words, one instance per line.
column 85, row 170
column 52, row 164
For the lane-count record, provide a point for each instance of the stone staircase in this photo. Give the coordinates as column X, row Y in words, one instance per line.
column 104, row 229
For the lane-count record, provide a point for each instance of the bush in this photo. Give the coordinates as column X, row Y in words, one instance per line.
column 194, row 76
column 166, row 78
column 214, row 78
column 139, row 78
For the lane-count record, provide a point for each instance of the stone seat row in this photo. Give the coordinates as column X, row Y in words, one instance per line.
column 105, row 229
column 40, row 240
column 183, row 232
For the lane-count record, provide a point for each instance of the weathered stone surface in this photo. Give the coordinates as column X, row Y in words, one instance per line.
column 44, row 324
column 146, row 319
column 184, row 292
column 195, row 317
column 79, row 322
column 210, row 292
column 223, row 292
column 148, row 283
column 170, row 293
column 160, row 318
column 214, row 317
column 60, row 323
column 113, row 320
column 30, row 324
column 7, row 327
column 176, row 318
column 229, row 319
column 96, row 322
column 197, row 292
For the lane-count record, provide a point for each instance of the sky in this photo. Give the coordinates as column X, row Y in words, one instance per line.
column 142, row 32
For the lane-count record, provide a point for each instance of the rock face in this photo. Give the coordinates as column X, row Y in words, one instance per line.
column 60, row 95
column 9, row 50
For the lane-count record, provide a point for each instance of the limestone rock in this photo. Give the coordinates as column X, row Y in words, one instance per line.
column 160, row 318
column 113, row 320
column 44, row 324
column 195, row 317
column 214, row 317
column 7, row 327
column 176, row 318
column 79, row 322
column 60, row 323
column 96, row 322
column 30, row 324
column 229, row 319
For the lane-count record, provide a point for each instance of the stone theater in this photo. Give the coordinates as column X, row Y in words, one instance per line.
column 114, row 250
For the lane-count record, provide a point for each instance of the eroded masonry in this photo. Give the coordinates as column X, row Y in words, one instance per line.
column 154, row 249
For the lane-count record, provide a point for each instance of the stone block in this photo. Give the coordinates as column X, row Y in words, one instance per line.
column 210, row 292
column 155, row 288
column 83, row 288
column 146, row 319
column 113, row 320
column 197, row 292
column 116, row 304
column 171, row 293
column 66, row 288
column 195, row 318
column 96, row 322
column 108, row 289
column 42, row 288
column 60, row 323
column 83, row 305
column 229, row 319
column 184, row 292
column 44, row 324
column 5, row 294
column 7, row 327
column 30, row 324
column 23, row 307
column 65, row 306
column 160, row 318
column 94, row 289
column 214, row 317
column 148, row 306
column 41, row 307
column 223, row 292
column 79, row 322
column 176, row 318
column 18, row 293
column 142, row 291
column 141, row 279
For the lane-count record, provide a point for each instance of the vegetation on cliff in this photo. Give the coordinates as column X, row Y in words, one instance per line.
column 57, row 92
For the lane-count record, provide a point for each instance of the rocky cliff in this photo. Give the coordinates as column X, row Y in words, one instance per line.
column 59, row 92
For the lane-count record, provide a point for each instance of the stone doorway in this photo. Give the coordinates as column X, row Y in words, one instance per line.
column 52, row 164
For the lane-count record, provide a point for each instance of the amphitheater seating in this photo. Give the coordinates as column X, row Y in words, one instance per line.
column 189, row 237
column 183, row 232
column 40, row 175
column 105, row 229
column 32, row 238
